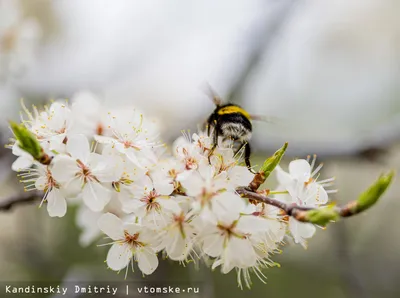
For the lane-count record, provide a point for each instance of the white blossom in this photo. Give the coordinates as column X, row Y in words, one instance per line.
column 178, row 234
column 189, row 154
column 130, row 242
column 42, row 178
column 303, row 189
column 165, row 175
column 51, row 126
column 89, row 116
column 266, row 223
column 147, row 201
column 132, row 136
column 233, row 245
column 213, row 193
column 301, row 183
column 86, row 170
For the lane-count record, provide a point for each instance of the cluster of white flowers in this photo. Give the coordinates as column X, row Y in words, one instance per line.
column 181, row 203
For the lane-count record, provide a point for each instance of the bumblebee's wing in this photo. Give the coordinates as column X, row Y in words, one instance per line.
column 280, row 123
column 264, row 118
column 210, row 92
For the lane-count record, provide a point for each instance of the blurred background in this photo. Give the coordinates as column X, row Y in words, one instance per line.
column 326, row 72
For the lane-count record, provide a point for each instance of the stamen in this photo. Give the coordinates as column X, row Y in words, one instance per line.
column 327, row 180
column 317, row 169
column 313, row 161
column 27, row 112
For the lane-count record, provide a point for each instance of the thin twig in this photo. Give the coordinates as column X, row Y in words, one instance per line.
column 298, row 212
column 294, row 210
column 19, row 199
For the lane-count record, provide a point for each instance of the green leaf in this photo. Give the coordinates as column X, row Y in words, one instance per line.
column 271, row 163
column 26, row 140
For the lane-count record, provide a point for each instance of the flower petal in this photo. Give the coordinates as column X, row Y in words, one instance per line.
column 192, row 182
column 41, row 183
column 178, row 247
column 227, row 267
column 64, row 168
column 132, row 205
column 169, row 204
column 213, row 245
column 142, row 188
column 78, row 147
column 300, row 169
column 300, row 230
column 118, row 256
column 56, row 203
column 322, row 195
column 240, row 176
column 104, row 139
column 234, row 253
column 163, row 185
column 22, row 162
column 111, row 225
column 228, row 205
column 149, row 236
column 131, row 154
column 147, row 260
column 105, row 168
column 17, row 151
column 313, row 194
column 56, row 143
column 59, row 114
column 283, row 177
column 96, row 196
column 73, row 187
column 221, row 181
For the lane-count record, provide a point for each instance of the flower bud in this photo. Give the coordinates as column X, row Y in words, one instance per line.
column 27, row 141
column 271, row 163
column 322, row 216
column 374, row 192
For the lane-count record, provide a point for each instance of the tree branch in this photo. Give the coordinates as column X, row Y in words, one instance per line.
column 318, row 215
column 19, row 199
column 298, row 212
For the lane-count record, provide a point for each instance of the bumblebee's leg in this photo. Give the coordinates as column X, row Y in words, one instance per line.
column 215, row 143
column 247, row 153
column 210, row 122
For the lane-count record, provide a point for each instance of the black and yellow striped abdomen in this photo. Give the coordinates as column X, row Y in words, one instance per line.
column 232, row 109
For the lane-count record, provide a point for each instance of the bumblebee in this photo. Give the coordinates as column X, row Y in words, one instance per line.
column 230, row 121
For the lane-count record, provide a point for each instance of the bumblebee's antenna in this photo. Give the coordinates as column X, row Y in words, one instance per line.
column 217, row 100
